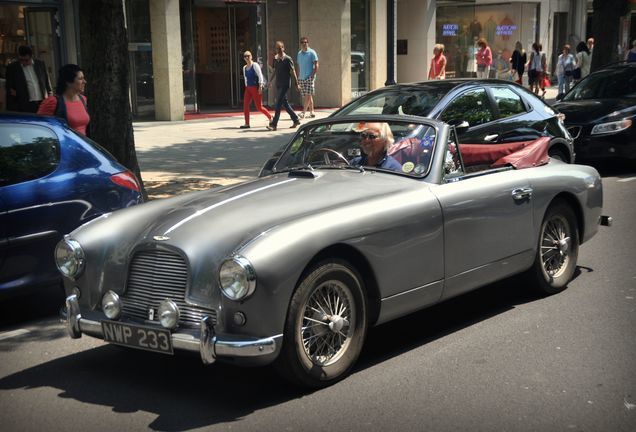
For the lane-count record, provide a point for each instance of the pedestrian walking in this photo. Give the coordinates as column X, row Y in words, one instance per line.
column 254, row 84
column 583, row 61
column 484, row 59
column 27, row 82
column 437, row 70
column 307, row 60
column 518, row 62
column 566, row 65
column 537, row 67
column 283, row 71
column 69, row 101
column 630, row 56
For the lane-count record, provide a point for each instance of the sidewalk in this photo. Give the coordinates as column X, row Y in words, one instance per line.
column 179, row 157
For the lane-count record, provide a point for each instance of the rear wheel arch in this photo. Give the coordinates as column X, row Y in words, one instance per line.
column 574, row 204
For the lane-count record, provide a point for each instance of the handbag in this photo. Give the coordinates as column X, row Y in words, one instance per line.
column 576, row 73
column 545, row 82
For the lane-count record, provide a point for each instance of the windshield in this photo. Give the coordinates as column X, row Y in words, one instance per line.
column 395, row 147
column 411, row 100
column 607, row 84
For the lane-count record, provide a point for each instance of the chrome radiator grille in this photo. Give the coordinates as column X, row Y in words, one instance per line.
column 154, row 276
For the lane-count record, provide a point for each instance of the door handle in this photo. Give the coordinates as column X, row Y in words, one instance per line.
column 491, row 137
column 519, row 194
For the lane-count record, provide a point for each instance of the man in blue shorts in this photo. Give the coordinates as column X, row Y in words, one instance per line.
column 307, row 61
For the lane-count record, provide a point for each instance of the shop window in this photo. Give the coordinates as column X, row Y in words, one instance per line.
column 359, row 47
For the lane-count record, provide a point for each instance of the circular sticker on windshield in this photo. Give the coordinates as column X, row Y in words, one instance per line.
column 408, row 167
column 419, row 169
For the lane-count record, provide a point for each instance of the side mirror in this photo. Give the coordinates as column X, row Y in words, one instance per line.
column 460, row 125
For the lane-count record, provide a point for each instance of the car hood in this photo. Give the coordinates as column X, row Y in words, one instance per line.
column 223, row 219
column 591, row 111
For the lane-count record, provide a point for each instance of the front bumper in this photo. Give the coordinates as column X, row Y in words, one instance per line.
column 620, row 145
column 205, row 340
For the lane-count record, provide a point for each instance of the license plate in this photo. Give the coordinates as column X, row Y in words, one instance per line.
column 137, row 336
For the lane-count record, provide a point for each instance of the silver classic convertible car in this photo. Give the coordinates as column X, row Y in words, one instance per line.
column 355, row 222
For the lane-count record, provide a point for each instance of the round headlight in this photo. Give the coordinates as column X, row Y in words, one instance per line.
column 111, row 305
column 69, row 258
column 168, row 314
column 237, row 278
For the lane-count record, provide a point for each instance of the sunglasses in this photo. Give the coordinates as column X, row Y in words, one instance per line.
column 367, row 135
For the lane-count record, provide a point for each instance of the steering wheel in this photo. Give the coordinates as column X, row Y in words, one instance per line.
column 325, row 155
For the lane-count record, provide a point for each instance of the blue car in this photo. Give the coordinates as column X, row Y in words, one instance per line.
column 52, row 180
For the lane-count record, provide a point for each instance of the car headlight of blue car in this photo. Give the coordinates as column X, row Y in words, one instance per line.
column 237, row 278
column 69, row 258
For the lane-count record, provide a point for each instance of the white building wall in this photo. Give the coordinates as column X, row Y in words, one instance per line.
column 416, row 24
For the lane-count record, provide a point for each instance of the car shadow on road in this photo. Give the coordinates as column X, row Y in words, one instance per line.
column 184, row 394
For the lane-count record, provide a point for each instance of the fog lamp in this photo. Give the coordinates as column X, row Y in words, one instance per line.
column 111, row 305
column 168, row 314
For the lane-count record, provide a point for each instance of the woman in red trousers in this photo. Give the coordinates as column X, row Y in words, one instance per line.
column 253, row 89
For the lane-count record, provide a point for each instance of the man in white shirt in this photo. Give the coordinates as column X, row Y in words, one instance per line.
column 27, row 82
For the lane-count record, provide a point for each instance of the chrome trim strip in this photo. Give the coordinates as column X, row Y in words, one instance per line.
column 209, row 345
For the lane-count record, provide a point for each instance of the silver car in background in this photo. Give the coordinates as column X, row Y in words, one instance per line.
column 294, row 266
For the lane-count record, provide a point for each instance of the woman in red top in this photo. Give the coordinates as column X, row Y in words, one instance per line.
column 72, row 103
column 484, row 59
column 438, row 63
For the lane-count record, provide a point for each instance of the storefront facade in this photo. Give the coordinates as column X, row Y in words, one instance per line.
column 42, row 24
column 186, row 56
column 214, row 34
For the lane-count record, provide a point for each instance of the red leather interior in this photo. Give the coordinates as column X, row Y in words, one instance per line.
column 518, row 154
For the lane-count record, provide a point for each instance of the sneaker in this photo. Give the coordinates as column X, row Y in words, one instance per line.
column 245, row 126
column 270, row 127
column 295, row 125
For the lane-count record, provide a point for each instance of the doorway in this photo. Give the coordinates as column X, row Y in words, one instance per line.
column 38, row 27
column 222, row 33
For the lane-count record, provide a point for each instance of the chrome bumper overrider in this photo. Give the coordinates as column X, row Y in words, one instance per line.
column 207, row 343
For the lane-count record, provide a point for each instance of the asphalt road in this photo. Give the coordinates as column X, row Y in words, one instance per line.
column 495, row 359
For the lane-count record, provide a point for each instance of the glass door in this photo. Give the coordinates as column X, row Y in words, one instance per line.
column 247, row 33
column 43, row 34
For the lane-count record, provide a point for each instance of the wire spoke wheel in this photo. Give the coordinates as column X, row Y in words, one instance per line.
column 555, row 246
column 558, row 250
column 328, row 323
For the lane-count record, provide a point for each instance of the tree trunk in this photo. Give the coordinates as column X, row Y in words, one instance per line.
column 605, row 30
column 104, row 54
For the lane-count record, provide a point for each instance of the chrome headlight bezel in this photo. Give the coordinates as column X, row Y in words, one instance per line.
column 69, row 258
column 611, row 127
column 237, row 278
